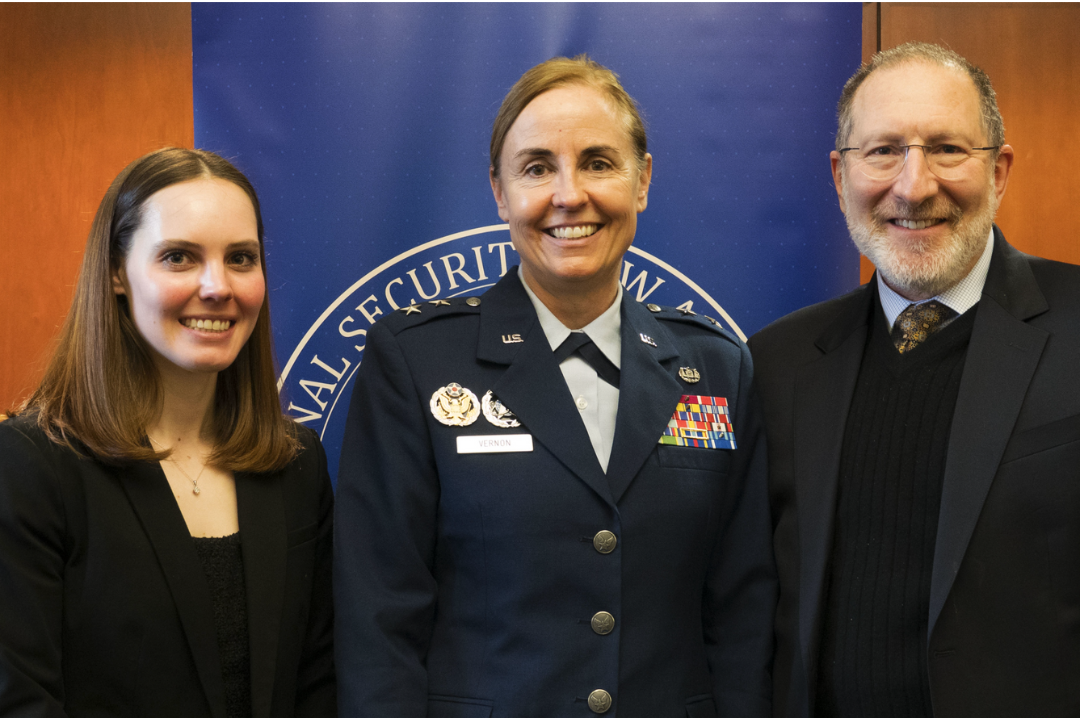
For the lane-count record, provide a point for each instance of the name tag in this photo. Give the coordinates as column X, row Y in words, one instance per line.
column 494, row 443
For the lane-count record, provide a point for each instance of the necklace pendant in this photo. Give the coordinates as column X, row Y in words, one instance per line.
column 195, row 490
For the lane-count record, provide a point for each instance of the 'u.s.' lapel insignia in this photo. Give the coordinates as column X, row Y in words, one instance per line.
column 689, row 374
column 496, row 413
column 455, row 405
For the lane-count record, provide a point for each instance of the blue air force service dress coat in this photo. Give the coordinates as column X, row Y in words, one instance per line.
column 531, row 582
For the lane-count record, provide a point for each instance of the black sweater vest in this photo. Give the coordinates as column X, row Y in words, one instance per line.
column 873, row 643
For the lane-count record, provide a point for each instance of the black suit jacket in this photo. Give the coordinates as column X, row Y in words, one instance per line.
column 466, row 582
column 104, row 606
column 1004, row 612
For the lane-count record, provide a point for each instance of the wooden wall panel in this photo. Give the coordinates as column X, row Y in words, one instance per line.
column 84, row 89
column 1031, row 54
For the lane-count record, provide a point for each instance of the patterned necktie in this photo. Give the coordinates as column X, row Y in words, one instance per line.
column 583, row 346
column 919, row 322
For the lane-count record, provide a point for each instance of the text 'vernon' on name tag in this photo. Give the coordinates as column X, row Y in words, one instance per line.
column 494, row 443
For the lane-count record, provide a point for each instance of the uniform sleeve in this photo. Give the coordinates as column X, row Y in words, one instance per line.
column 742, row 588
column 385, row 531
column 31, row 579
column 316, row 692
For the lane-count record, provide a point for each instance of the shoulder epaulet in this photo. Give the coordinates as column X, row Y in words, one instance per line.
column 683, row 315
column 417, row 314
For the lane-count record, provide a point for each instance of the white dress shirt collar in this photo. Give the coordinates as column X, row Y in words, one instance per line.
column 604, row 331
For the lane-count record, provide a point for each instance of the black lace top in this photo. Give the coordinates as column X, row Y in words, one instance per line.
column 224, row 567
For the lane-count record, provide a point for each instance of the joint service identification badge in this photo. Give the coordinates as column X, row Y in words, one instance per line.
column 700, row 421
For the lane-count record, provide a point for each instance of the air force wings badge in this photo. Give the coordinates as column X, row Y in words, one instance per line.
column 455, row 405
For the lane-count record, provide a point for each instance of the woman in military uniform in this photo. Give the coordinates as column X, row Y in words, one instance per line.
column 552, row 498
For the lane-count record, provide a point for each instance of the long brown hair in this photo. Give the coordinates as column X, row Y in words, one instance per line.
column 101, row 387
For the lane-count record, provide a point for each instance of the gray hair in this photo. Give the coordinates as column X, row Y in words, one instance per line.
column 928, row 53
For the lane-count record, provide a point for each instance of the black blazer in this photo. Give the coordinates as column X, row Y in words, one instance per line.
column 104, row 607
column 466, row 582
column 1004, row 614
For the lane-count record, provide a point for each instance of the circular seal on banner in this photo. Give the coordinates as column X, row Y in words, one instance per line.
column 317, row 378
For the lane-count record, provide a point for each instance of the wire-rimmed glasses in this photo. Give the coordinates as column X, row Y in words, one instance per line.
column 884, row 162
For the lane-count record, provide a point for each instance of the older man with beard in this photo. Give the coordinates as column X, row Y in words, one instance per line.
column 924, row 430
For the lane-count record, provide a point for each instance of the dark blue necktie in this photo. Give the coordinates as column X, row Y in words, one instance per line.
column 583, row 346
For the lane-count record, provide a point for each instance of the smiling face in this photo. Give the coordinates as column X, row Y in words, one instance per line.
column 192, row 275
column 923, row 234
column 570, row 187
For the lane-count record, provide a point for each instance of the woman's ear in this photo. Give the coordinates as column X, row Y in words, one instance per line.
column 119, row 284
column 497, row 190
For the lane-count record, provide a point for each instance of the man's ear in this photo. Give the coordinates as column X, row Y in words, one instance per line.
column 1002, row 165
column 497, row 191
column 838, row 177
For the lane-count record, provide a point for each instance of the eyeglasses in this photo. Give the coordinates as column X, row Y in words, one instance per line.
column 884, row 162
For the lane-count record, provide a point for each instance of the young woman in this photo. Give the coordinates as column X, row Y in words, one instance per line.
column 165, row 531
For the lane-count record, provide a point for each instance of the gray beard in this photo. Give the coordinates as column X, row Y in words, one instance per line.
column 920, row 272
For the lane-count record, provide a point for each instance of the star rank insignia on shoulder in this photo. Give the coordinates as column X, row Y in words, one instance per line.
column 416, row 314
column 684, row 313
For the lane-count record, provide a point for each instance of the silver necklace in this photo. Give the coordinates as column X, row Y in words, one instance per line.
column 194, row 481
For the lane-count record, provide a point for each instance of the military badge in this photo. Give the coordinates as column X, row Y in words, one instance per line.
column 689, row 374
column 496, row 413
column 700, row 421
column 455, row 405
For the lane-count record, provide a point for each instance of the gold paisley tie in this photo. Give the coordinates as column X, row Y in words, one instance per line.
column 919, row 322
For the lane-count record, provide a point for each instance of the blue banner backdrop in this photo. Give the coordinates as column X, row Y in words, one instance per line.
column 365, row 129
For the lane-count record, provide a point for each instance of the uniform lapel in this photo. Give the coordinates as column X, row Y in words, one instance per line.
column 648, row 394
column 263, row 538
column 151, row 497
column 532, row 386
column 1001, row 360
column 823, row 392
